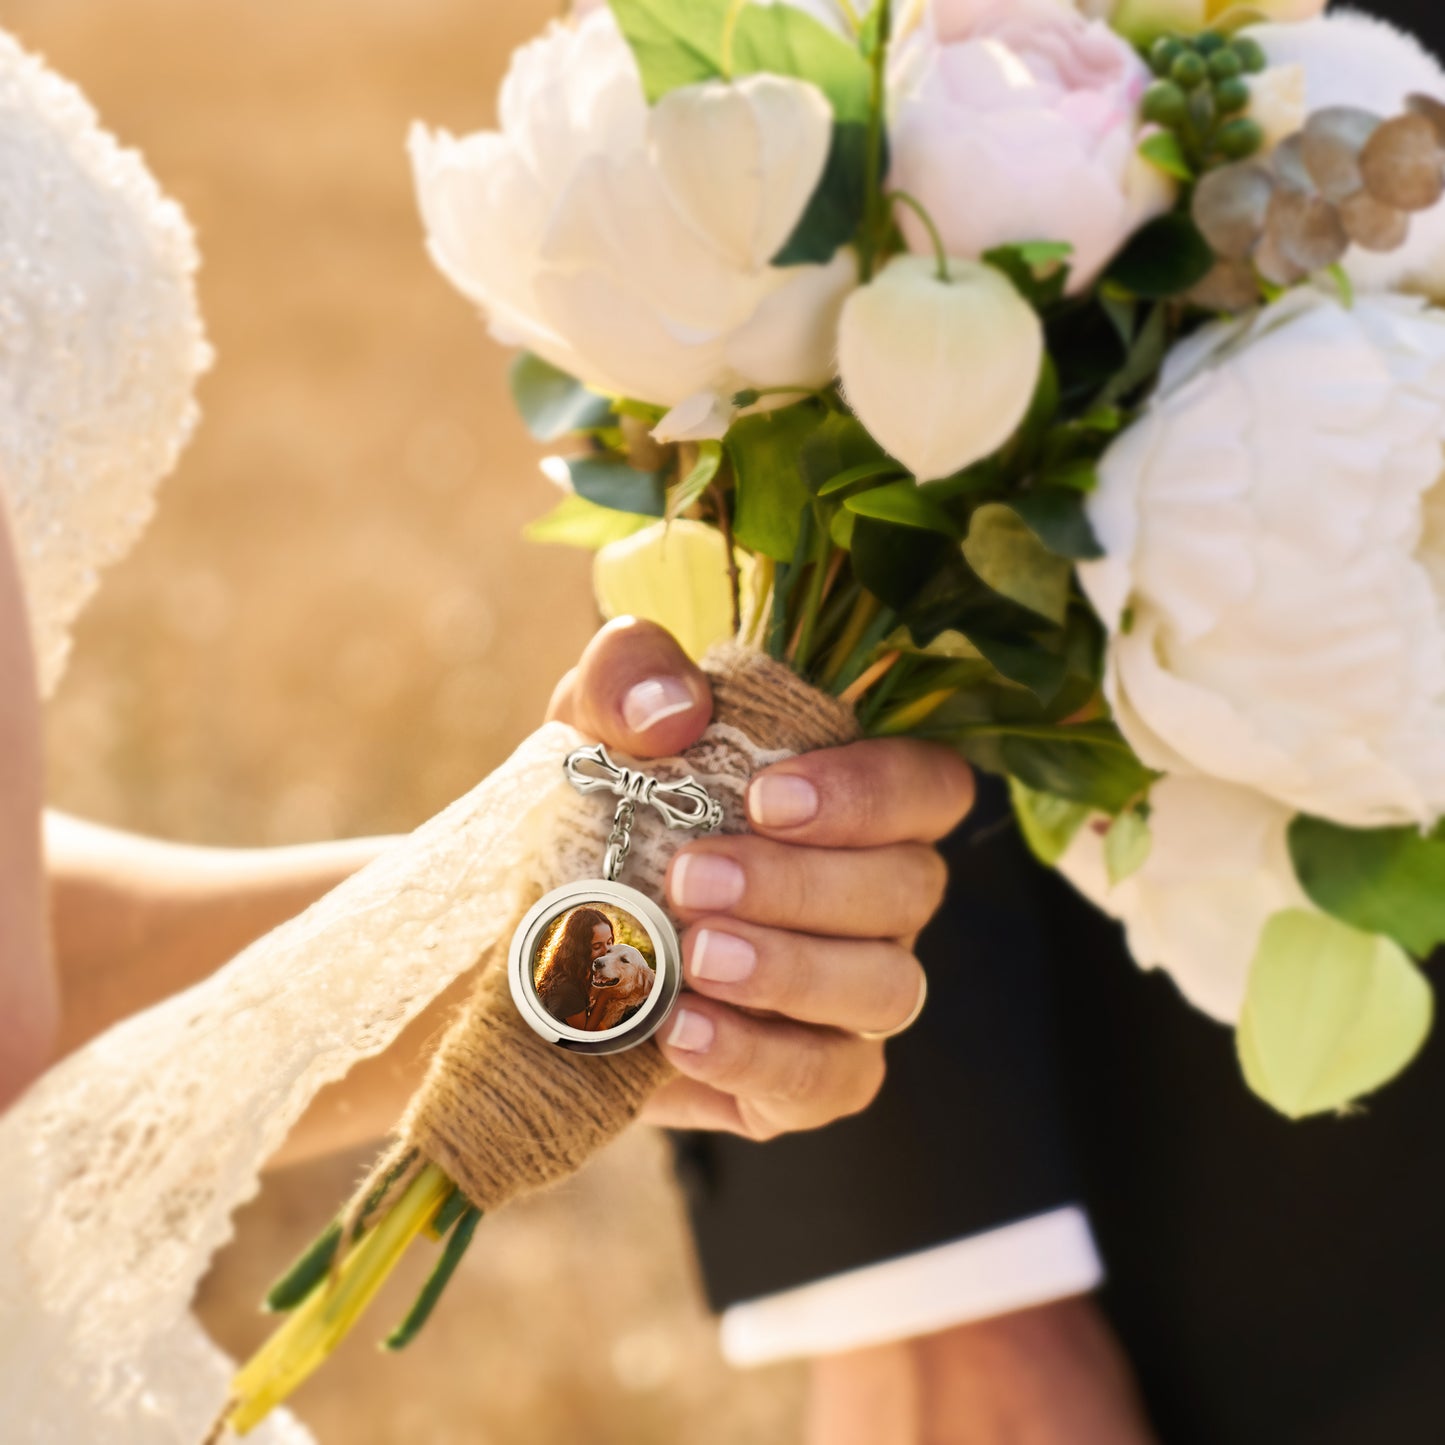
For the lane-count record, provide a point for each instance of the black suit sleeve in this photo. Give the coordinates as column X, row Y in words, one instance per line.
column 964, row 1138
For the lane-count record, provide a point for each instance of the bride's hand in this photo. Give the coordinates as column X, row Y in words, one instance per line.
column 799, row 936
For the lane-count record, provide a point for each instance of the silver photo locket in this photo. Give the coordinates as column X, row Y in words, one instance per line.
column 595, row 966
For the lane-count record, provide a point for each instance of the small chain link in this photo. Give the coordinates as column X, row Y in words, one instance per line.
column 619, row 840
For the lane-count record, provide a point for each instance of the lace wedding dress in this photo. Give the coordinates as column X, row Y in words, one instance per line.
column 121, row 1168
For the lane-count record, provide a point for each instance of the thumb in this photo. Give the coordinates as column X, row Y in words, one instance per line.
column 635, row 689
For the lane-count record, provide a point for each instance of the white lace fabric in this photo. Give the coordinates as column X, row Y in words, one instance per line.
column 100, row 343
column 123, row 1165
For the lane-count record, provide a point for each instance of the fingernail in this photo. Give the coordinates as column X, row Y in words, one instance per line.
column 653, row 700
column 705, row 881
column 722, row 957
column 691, row 1031
column 781, row 800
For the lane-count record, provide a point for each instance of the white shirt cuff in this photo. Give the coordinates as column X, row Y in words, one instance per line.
column 1051, row 1256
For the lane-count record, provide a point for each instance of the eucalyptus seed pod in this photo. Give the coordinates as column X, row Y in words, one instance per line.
column 1274, row 266
column 1401, row 163
column 1433, row 111
column 1371, row 224
column 1229, row 286
column 1330, row 146
column 1287, row 162
column 1305, row 230
column 1229, row 207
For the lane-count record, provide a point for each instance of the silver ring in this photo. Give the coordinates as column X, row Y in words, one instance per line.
column 876, row 1034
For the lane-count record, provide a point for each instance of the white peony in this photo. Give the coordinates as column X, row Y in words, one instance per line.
column 1274, row 585
column 1351, row 59
column 1218, row 868
column 630, row 245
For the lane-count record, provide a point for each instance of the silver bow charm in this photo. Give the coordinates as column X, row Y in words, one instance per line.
column 683, row 804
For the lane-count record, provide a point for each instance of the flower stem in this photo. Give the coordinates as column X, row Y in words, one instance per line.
column 865, row 609
column 865, row 680
column 730, row 25
column 919, row 210
column 873, row 158
column 326, row 1317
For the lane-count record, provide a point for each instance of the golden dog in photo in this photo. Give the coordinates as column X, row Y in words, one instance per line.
column 621, row 981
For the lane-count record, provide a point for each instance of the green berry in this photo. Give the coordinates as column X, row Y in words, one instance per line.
column 1209, row 42
column 1239, row 138
column 1164, row 104
column 1225, row 65
column 1202, row 110
column 1164, row 52
column 1251, row 54
column 1189, row 70
column 1231, row 96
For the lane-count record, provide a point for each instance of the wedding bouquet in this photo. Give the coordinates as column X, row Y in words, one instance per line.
column 1058, row 383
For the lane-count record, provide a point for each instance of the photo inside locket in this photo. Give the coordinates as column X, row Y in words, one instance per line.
column 594, row 967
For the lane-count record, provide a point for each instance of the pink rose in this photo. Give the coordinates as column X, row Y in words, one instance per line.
column 1018, row 120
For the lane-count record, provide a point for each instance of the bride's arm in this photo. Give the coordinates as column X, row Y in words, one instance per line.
column 27, row 983
column 135, row 919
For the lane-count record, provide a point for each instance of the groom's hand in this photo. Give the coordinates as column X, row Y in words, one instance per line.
column 799, row 936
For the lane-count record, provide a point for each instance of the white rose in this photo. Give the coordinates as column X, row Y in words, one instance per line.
column 1350, row 59
column 940, row 372
column 1218, row 868
column 1274, row 583
column 630, row 246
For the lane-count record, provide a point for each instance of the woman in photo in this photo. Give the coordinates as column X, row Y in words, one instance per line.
column 564, row 967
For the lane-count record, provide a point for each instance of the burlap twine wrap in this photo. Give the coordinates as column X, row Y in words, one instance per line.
column 502, row 1111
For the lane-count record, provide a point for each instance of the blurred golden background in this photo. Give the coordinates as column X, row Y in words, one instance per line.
column 334, row 628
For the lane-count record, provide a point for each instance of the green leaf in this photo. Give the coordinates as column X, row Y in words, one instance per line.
column 1381, row 880
column 771, row 494
column 839, row 202
column 1162, row 149
column 1126, row 845
column 782, row 40
column 1025, row 663
column 1330, row 1013
column 839, row 442
column 576, row 522
column 1146, row 353
column 1087, row 762
column 863, row 472
column 674, row 44
column 610, row 482
column 840, row 529
column 681, row 496
column 1163, row 258
column 1047, row 822
column 1009, row 557
column 1058, row 519
column 551, row 402
column 903, row 504
column 1038, row 269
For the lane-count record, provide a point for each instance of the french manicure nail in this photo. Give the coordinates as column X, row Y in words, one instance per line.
column 692, row 1032
column 705, row 881
column 722, row 957
column 782, row 800
column 653, row 700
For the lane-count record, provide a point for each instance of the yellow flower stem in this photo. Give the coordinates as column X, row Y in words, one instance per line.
column 864, row 611
column 907, row 717
column 324, row 1320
